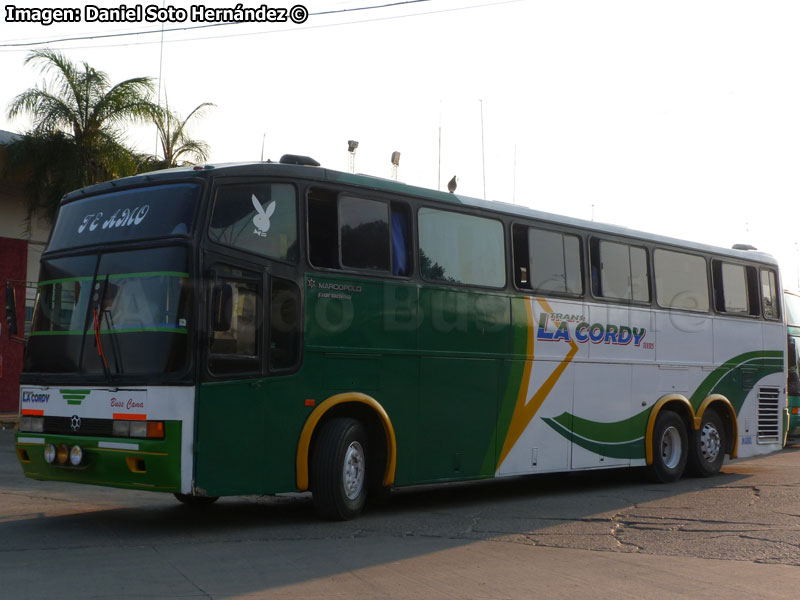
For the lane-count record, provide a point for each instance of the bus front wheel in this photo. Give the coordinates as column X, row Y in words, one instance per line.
column 670, row 448
column 707, row 450
column 338, row 469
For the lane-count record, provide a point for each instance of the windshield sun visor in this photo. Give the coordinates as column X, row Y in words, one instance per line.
column 136, row 214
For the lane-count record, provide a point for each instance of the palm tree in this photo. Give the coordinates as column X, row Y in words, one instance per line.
column 81, row 103
column 48, row 165
column 175, row 140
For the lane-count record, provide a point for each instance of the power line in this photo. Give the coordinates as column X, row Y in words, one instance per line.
column 194, row 27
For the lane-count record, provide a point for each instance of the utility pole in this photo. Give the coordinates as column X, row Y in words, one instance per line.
column 483, row 154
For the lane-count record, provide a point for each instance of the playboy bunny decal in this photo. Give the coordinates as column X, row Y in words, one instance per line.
column 261, row 220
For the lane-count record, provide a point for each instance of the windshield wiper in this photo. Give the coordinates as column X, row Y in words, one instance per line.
column 98, row 310
column 99, row 343
column 115, row 351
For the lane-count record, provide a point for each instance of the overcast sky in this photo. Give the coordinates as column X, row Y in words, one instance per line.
column 679, row 118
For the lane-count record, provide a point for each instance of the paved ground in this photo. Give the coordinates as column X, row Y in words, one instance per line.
column 604, row 535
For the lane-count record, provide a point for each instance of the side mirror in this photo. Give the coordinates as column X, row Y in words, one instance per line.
column 11, row 310
column 222, row 305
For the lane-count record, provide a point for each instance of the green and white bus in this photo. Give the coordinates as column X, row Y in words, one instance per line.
column 792, row 302
column 281, row 327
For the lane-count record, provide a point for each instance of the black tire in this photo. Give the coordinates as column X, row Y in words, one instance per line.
column 670, row 448
column 377, row 493
column 707, row 447
column 339, row 469
column 196, row 501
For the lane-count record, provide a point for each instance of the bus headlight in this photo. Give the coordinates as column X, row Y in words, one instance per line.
column 139, row 429
column 121, row 428
column 49, row 454
column 75, row 456
column 32, row 424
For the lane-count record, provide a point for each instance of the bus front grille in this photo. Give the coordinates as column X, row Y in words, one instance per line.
column 78, row 426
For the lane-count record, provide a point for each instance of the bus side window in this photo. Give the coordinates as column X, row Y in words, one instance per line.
column 769, row 294
column 323, row 233
column 681, row 280
column 401, row 239
column 619, row 271
column 594, row 261
column 285, row 315
column 555, row 261
column 519, row 245
column 257, row 217
column 735, row 288
column 460, row 248
column 234, row 344
column 364, row 233
column 547, row 261
column 348, row 232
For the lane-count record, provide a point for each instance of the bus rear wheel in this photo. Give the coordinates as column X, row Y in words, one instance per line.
column 670, row 448
column 338, row 469
column 707, row 451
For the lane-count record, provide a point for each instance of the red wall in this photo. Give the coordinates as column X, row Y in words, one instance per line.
column 13, row 266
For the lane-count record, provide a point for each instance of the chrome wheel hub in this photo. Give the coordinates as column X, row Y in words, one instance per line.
column 710, row 442
column 353, row 470
column 671, row 448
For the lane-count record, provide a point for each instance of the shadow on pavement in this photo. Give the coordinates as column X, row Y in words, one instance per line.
column 279, row 538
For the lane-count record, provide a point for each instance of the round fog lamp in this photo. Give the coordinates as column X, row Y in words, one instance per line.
column 49, row 453
column 75, row 456
column 62, row 454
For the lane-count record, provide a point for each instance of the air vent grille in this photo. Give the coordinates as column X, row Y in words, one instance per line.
column 769, row 415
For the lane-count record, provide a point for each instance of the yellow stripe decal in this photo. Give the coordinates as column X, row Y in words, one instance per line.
column 524, row 412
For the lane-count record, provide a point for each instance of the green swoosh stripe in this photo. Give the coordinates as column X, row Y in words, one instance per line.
column 732, row 384
column 610, row 433
column 714, row 378
column 624, row 439
column 626, row 449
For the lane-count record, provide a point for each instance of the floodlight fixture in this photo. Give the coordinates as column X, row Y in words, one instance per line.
column 351, row 148
column 395, row 164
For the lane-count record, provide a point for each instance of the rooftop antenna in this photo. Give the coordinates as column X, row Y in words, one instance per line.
column 395, row 164
column 483, row 154
column 514, row 193
column 351, row 148
column 160, row 64
column 439, row 174
column 263, row 138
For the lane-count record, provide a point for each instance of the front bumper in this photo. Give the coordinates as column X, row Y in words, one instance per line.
column 132, row 463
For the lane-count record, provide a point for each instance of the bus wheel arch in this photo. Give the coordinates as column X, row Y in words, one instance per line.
column 667, row 438
column 379, row 431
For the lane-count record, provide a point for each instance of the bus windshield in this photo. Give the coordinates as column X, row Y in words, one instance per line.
column 112, row 314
